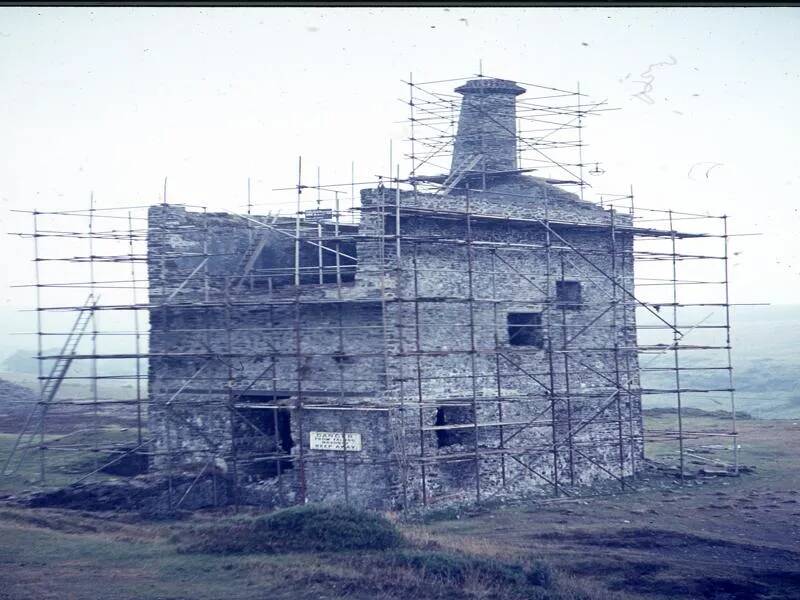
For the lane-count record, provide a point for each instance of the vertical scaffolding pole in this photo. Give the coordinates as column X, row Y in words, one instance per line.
column 206, row 320
column 278, row 448
column 728, row 350
column 615, row 332
column 417, row 337
column 400, row 304
column 164, row 306
column 498, row 380
column 298, row 405
column 136, row 334
column 297, row 221
column 341, row 347
column 299, row 409
column 249, row 202
column 580, row 141
column 93, row 314
column 230, row 398
column 549, row 342
column 472, row 346
column 352, row 188
column 320, row 260
column 39, row 334
column 567, row 391
column 420, row 399
column 675, row 345
column 627, row 355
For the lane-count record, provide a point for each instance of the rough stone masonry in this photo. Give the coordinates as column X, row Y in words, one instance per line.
column 465, row 344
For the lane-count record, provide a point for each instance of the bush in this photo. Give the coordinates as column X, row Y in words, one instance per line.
column 302, row 528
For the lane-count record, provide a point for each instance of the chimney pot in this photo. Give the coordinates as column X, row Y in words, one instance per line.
column 487, row 125
column 490, row 86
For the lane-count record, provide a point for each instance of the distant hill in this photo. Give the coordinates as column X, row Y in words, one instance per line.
column 25, row 362
column 15, row 398
column 766, row 362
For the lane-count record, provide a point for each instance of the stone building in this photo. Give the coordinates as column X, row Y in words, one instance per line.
column 460, row 344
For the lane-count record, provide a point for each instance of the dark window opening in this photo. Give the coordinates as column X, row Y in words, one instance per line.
column 525, row 329
column 568, row 294
column 454, row 415
column 274, row 267
column 263, row 436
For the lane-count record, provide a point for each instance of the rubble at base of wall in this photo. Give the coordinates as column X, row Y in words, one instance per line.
column 267, row 494
column 148, row 495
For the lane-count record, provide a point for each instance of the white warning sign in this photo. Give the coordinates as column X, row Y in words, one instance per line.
column 334, row 440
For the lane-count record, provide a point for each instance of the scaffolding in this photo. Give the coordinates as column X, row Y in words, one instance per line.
column 680, row 261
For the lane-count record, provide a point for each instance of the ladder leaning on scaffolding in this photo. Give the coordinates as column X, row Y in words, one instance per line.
column 461, row 170
column 51, row 385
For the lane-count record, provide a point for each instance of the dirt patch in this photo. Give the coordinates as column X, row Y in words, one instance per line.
column 593, row 567
column 682, row 545
column 712, row 588
column 76, row 522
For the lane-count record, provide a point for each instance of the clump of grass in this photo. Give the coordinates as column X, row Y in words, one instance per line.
column 302, row 528
column 456, row 569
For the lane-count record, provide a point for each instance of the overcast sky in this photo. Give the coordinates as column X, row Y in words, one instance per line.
column 112, row 100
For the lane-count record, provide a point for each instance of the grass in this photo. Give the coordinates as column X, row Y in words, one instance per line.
column 83, row 554
column 387, row 562
column 731, row 538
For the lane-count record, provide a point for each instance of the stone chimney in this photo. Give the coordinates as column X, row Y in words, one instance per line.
column 487, row 125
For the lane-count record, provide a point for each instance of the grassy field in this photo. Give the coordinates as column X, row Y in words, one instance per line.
column 68, row 459
column 713, row 538
column 54, row 554
column 708, row 537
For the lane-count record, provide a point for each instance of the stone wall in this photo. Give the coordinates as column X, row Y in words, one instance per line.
column 455, row 354
column 410, row 355
column 215, row 353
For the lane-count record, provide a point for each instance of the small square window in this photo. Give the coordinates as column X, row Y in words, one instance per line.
column 568, row 294
column 525, row 329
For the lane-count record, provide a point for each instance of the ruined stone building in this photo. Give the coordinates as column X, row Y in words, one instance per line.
column 470, row 341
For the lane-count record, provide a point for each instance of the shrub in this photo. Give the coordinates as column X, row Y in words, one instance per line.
column 302, row 528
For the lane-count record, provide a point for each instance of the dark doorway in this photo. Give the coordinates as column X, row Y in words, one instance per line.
column 263, row 436
column 454, row 415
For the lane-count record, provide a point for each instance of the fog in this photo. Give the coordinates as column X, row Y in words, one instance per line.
column 110, row 101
